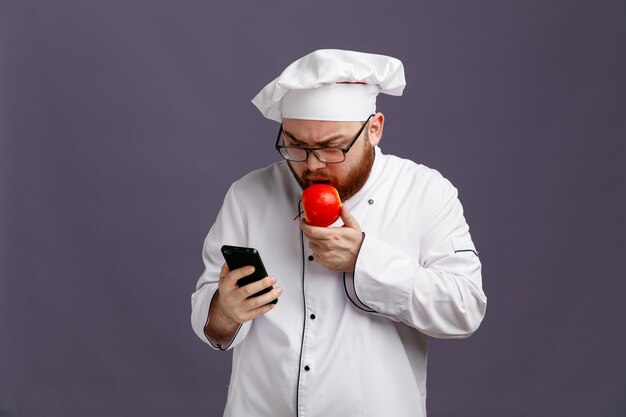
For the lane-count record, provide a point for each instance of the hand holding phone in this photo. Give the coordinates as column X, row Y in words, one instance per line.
column 237, row 257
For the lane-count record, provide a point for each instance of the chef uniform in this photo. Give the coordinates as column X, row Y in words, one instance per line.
column 344, row 344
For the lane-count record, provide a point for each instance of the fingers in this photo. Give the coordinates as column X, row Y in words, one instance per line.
column 349, row 220
column 261, row 300
column 315, row 232
column 263, row 305
column 306, row 228
column 327, row 233
column 336, row 248
column 253, row 307
column 239, row 303
column 230, row 278
column 315, row 247
column 254, row 287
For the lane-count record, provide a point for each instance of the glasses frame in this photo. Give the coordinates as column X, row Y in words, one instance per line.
column 315, row 150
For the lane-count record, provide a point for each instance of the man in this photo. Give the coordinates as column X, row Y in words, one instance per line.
column 356, row 300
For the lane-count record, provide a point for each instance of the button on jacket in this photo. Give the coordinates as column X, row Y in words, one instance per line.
column 346, row 344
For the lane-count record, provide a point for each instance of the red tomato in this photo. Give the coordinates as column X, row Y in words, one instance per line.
column 321, row 205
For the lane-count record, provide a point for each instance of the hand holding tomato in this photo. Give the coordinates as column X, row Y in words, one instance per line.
column 335, row 248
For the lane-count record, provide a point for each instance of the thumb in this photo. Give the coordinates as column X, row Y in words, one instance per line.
column 348, row 220
column 224, row 270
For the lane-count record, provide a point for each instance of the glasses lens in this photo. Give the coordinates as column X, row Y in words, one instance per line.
column 293, row 154
column 330, row 155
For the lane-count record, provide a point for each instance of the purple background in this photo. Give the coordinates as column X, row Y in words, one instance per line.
column 122, row 123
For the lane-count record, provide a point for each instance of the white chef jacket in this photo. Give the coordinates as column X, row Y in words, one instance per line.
column 346, row 344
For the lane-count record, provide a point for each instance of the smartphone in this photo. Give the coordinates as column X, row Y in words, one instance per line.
column 238, row 257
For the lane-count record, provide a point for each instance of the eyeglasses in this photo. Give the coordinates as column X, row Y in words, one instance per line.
column 326, row 155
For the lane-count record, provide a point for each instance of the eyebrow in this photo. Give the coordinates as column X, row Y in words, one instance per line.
column 323, row 143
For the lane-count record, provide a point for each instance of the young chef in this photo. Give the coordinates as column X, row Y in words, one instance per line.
column 356, row 300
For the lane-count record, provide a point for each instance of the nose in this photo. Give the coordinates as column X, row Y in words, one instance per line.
column 313, row 163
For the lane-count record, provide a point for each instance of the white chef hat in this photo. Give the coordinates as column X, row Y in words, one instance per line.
column 331, row 84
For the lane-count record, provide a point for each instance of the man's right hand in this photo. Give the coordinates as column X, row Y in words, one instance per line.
column 230, row 306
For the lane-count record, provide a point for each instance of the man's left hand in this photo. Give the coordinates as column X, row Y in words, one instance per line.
column 336, row 248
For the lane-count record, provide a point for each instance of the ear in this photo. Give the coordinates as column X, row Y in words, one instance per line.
column 375, row 129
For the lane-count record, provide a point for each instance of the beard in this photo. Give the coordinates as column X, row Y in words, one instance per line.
column 354, row 180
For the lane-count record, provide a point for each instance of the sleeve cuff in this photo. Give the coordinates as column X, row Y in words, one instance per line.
column 349, row 285
column 374, row 287
column 200, row 318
